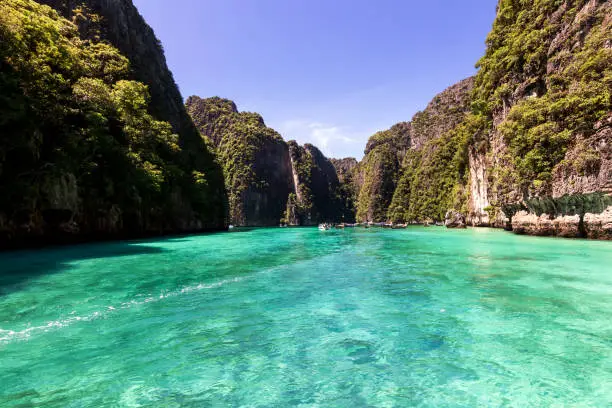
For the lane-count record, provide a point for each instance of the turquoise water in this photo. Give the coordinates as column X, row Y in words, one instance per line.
column 422, row 317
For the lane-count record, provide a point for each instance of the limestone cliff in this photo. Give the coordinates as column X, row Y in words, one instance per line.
column 121, row 25
column 316, row 188
column 525, row 145
column 269, row 181
column 549, row 105
column 255, row 159
column 379, row 171
column 95, row 140
column 401, row 177
column 346, row 169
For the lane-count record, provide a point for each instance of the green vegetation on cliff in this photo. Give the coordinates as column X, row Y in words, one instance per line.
column 318, row 194
column 415, row 171
column 79, row 151
column 254, row 158
column 380, row 170
column 547, row 73
column 348, row 188
column 83, row 149
column 434, row 177
column 543, row 90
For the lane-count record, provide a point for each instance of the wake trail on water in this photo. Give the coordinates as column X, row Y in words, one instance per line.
column 8, row 336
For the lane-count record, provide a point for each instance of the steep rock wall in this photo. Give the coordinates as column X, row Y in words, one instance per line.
column 76, row 164
column 378, row 172
column 255, row 159
column 529, row 134
column 346, row 169
column 551, row 118
column 269, row 181
column 316, row 196
column 425, row 187
column 122, row 26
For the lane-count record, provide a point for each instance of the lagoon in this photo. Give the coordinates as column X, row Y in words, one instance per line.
column 423, row 317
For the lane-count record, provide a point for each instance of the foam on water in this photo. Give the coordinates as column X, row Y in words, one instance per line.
column 7, row 336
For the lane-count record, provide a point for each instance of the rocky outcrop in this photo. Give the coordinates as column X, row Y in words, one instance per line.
column 445, row 111
column 478, row 189
column 255, row 159
column 378, row 177
column 315, row 198
column 269, row 180
column 122, row 26
column 525, row 145
column 378, row 172
column 587, row 167
column 426, row 177
column 598, row 225
column 570, row 216
column 75, row 171
column 559, row 185
column 528, row 136
column 454, row 219
column 543, row 225
column 324, row 185
column 346, row 169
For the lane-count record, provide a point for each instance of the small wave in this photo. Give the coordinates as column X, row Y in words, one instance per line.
column 7, row 336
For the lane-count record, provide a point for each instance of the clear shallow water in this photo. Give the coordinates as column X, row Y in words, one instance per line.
column 422, row 317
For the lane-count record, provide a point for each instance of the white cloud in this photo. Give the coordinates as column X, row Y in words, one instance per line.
column 332, row 140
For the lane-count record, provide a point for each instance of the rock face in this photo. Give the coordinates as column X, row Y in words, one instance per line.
column 88, row 176
column 315, row 198
column 543, row 151
column 599, row 225
column 346, row 169
column 524, row 145
column 122, row 26
column 564, row 226
column 426, row 175
column 269, row 181
column 570, row 216
column 454, row 219
column 378, row 171
column 255, row 159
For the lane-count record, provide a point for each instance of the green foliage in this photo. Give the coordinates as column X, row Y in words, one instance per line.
column 399, row 209
column 67, row 109
column 433, row 179
column 238, row 139
column 546, row 78
column 303, row 201
column 347, row 191
column 380, row 171
column 556, row 105
column 517, row 46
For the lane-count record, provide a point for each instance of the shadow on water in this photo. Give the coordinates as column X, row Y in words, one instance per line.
column 18, row 267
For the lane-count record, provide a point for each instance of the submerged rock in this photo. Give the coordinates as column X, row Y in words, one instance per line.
column 454, row 219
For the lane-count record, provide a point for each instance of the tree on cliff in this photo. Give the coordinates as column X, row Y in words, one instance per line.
column 78, row 147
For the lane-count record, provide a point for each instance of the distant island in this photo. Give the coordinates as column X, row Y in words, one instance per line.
column 96, row 141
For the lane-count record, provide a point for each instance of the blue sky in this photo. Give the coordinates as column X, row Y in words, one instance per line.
column 328, row 72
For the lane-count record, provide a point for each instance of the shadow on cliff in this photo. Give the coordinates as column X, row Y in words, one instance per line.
column 19, row 267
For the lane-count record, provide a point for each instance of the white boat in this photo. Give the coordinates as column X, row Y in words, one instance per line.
column 324, row 227
column 231, row 226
